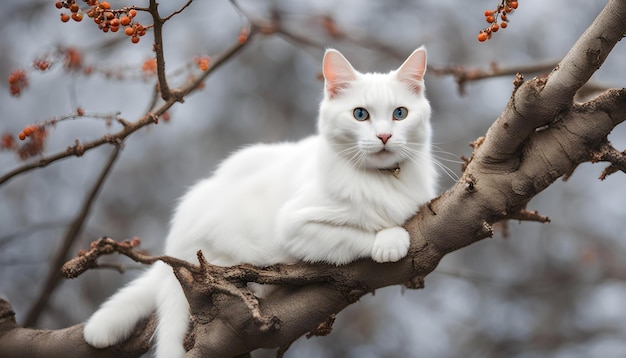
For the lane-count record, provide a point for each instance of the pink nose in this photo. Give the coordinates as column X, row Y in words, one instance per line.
column 384, row 137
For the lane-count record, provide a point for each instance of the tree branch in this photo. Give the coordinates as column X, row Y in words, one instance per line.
column 54, row 275
column 78, row 149
column 541, row 136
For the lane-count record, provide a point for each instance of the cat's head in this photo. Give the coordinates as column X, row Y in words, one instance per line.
column 375, row 120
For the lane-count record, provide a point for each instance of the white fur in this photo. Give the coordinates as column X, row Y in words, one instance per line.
column 324, row 198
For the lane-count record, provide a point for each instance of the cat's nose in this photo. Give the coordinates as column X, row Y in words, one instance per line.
column 384, row 137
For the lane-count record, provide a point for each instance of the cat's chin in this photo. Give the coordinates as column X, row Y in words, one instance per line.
column 383, row 159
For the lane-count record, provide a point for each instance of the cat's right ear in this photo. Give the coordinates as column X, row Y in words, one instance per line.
column 338, row 73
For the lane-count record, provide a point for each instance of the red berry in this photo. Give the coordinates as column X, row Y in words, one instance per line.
column 65, row 17
column 513, row 4
column 134, row 39
column 132, row 13
column 58, row 4
column 129, row 31
column 495, row 27
column 490, row 19
column 482, row 37
column 77, row 17
column 21, row 136
column 503, row 24
column 125, row 20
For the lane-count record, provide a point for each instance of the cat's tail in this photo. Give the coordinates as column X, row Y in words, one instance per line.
column 116, row 318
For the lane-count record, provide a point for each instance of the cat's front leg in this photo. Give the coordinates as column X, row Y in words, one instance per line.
column 391, row 244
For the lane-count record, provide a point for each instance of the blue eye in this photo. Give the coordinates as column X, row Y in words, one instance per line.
column 360, row 114
column 400, row 113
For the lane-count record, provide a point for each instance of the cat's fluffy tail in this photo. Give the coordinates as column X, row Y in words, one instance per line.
column 116, row 318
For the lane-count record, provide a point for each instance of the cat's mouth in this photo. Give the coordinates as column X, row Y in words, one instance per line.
column 384, row 151
column 383, row 158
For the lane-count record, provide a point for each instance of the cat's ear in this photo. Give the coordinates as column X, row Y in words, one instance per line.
column 412, row 70
column 338, row 73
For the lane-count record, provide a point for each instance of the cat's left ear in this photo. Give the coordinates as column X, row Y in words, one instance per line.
column 412, row 70
column 338, row 73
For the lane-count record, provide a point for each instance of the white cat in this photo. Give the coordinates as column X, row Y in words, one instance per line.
column 334, row 197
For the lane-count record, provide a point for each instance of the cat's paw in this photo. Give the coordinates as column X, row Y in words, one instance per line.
column 103, row 331
column 391, row 244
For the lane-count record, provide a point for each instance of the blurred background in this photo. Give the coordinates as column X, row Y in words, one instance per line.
column 543, row 290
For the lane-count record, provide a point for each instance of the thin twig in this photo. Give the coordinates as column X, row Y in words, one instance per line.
column 54, row 275
column 182, row 8
column 147, row 119
column 525, row 215
column 166, row 93
column 463, row 75
column 607, row 153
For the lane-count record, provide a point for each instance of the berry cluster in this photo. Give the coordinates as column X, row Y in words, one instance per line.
column 27, row 132
column 72, row 58
column 149, row 66
column 202, row 62
column 34, row 146
column 106, row 18
column 42, row 64
column 505, row 8
column 17, row 82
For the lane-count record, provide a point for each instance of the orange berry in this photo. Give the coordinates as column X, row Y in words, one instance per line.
column 58, row 4
column 74, row 7
column 503, row 24
column 134, row 39
column 105, row 5
column 21, row 136
column 490, row 19
column 77, row 17
column 114, row 28
column 243, row 36
column 65, row 17
column 125, row 20
column 488, row 13
column 513, row 4
column 129, row 31
column 132, row 13
column 495, row 27
column 115, row 22
column 482, row 37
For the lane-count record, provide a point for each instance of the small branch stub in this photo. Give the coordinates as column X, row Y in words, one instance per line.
column 525, row 215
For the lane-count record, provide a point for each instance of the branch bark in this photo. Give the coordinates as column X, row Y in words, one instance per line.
column 541, row 136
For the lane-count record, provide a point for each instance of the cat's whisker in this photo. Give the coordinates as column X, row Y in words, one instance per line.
column 354, row 155
column 411, row 153
column 436, row 150
column 442, row 151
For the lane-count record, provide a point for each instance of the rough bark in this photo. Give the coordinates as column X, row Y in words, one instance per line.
column 541, row 135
